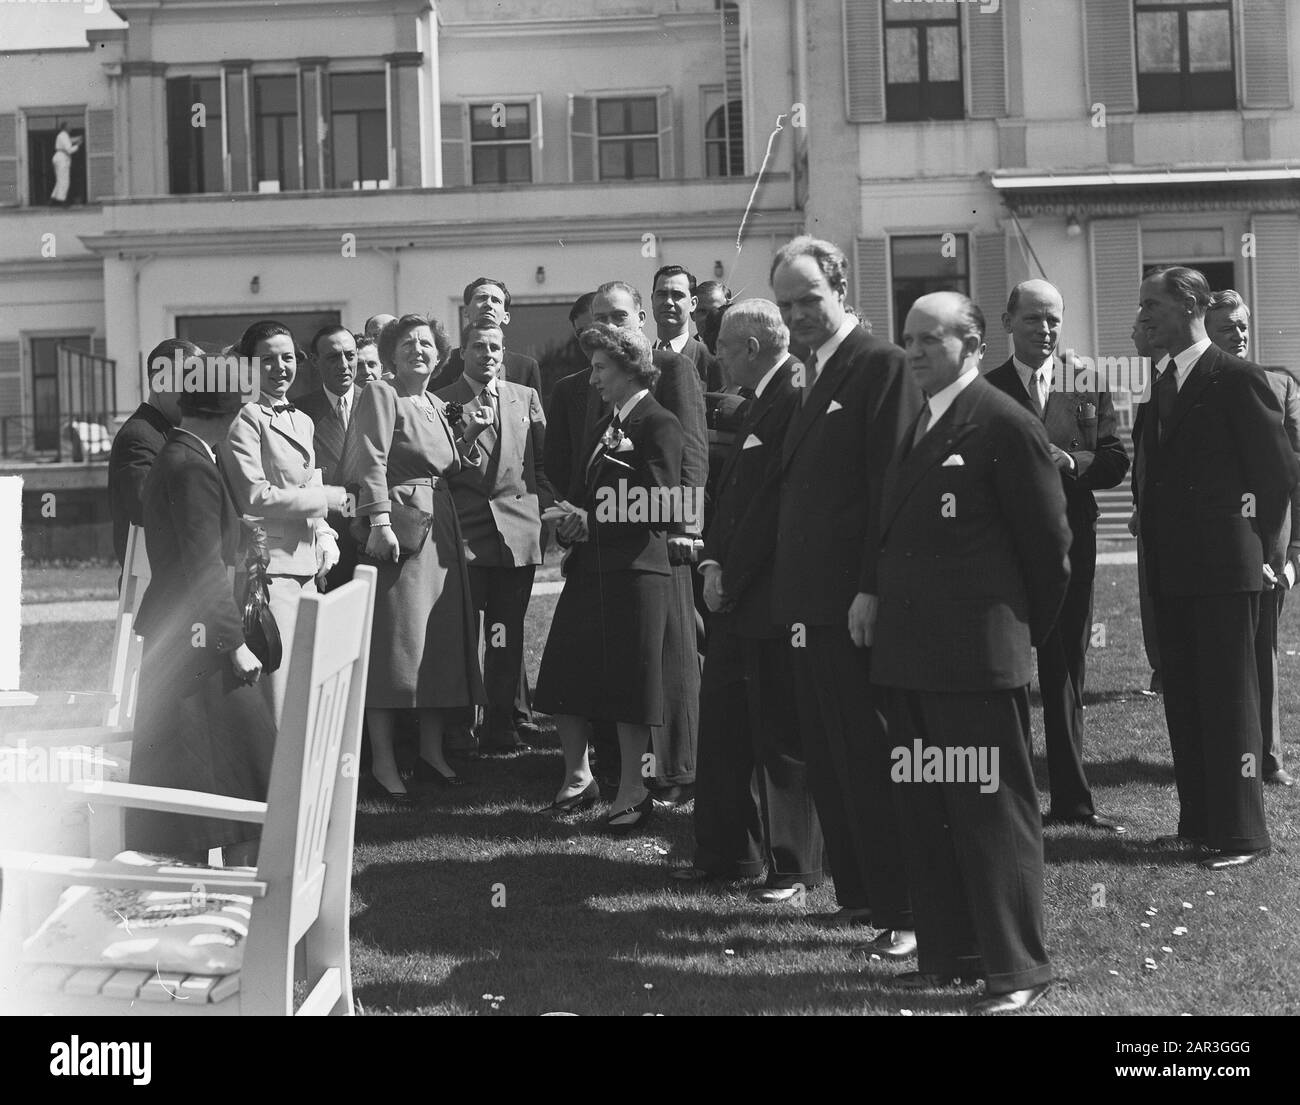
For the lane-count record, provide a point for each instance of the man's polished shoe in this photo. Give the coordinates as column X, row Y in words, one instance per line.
column 678, row 794
column 1088, row 821
column 842, row 918
column 1157, row 683
column 1220, row 861
column 775, row 895
column 893, row 944
column 924, row 980
column 1014, row 1002
column 1279, row 778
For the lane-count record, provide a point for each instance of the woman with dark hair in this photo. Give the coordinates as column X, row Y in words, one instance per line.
column 604, row 654
column 424, row 653
column 270, row 463
column 201, row 724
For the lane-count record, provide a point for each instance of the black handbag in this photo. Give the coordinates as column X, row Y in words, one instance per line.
column 261, row 634
column 410, row 525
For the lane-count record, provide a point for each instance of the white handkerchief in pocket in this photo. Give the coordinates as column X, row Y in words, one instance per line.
column 834, row 406
column 953, row 461
column 751, row 441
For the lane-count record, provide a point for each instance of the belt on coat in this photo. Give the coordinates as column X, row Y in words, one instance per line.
column 434, row 482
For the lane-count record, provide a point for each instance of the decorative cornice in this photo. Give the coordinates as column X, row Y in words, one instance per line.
column 404, row 59
column 59, row 268
column 1116, row 201
column 585, row 27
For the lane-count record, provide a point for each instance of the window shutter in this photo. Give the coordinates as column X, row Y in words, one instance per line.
column 582, row 138
column 11, row 392
column 454, row 142
column 1111, row 66
column 1116, row 275
column 990, row 285
column 8, row 159
column 1264, row 37
column 732, row 74
column 1276, row 289
column 313, row 127
column 987, row 63
column 665, row 118
column 536, row 137
column 864, row 61
column 99, row 154
column 870, row 289
column 235, row 118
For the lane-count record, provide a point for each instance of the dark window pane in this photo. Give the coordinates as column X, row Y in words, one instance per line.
column 486, row 164
column 919, row 12
column 715, row 163
column 276, row 94
column 942, row 57
column 519, row 164
column 613, row 161
column 1209, row 41
column 609, row 117
column 903, row 55
column 645, row 159
column 643, row 116
column 1158, row 49
column 480, row 124
column 374, row 146
column 344, row 138
column 357, row 92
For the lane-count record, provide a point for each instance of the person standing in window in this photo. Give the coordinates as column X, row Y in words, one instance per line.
column 64, row 147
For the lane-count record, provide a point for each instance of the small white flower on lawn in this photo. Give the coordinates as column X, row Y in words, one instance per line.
column 1181, row 930
column 1209, row 893
column 1151, row 912
column 1114, row 972
column 728, row 951
column 648, row 985
column 1263, row 909
column 1144, row 925
column 904, row 1012
column 1166, row 949
column 1187, row 905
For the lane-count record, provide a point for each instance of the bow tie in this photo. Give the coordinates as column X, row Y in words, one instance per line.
column 281, row 408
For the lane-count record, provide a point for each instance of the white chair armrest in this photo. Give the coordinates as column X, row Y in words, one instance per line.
column 58, row 738
column 99, row 872
column 170, row 800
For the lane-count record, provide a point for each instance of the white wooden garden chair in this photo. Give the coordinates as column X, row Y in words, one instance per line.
column 254, row 919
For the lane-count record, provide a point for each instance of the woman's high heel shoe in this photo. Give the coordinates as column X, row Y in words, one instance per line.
column 425, row 772
column 373, row 788
column 588, row 796
column 644, row 811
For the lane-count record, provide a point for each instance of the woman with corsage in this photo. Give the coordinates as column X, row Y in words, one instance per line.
column 604, row 654
column 423, row 652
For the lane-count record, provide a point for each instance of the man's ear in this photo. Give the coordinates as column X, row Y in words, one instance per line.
column 505, row 318
column 1006, row 322
column 640, row 317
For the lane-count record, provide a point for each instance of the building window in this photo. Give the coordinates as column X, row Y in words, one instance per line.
column 42, row 177
column 48, row 403
column 1184, row 56
column 358, row 129
column 194, row 135
column 924, row 263
column 922, row 62
column 627, row 132
column 501, row 143
column 724, row 141
column 275, row 119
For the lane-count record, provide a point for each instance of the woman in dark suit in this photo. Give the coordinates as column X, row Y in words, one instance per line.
column 201, row 723
column 604, row 654
column 423, row 653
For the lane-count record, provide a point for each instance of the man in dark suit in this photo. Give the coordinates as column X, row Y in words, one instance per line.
column 1079, row 417
column 679, row 392
column 333, row 354
column 1156, row 359
column 753, row 809
column 566, row 415
column 856, row 402
column 1227, row 323
column 1219, row 474
column 488, row 300
column 709, row 296
column 970, row 565
column 137, row 443
column 499, row 508
column 672, row 299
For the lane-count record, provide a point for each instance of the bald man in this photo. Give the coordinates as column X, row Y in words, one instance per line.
column 967, row 572
column 1079, row 418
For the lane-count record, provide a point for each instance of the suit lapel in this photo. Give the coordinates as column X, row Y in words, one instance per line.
column 289, row 426
column 778, row 387
column 939, row 442
column 828, row 381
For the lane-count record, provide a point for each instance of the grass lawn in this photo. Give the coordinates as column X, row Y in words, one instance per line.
column 480, row 898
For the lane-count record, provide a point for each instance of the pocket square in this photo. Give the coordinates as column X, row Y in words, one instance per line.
column 751, row 441
column 953, row 461
column 624, row 446
column 834, row 406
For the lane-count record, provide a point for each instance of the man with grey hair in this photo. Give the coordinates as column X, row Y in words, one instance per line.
column 753, row 809
column 856, row 400
column 969, row 560
column 1227, row 322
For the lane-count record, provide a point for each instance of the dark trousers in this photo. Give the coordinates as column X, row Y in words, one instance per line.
column 844, row 739
column 674, row 742
column 974, row 859
column 1147, row 604
column 1062, row 660
column 753, row 809
column 1270, row 718
column 502, row 595
column 1207, row 649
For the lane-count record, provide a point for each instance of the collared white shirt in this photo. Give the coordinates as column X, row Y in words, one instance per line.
column 626, row 408
column 678, row 343
column 826, row 350
column 1185, row 360
column 758, row 388
column 941, row 400
column 206, row 447
column 342, row 403
column 1028, row 377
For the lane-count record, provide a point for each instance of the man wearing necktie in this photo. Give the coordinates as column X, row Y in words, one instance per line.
column 860, row 401
column 1218, row 478
column 1080, row 424
column 672, row 299
column 1156, row 359
column 333, row 354
column 499, row 508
